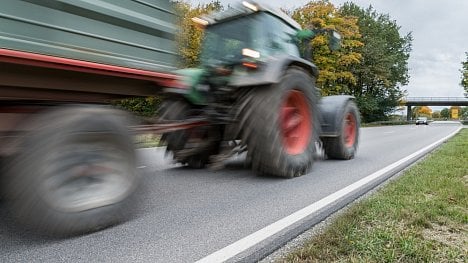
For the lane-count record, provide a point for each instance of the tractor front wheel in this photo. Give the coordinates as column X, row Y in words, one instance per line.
column 194, row 146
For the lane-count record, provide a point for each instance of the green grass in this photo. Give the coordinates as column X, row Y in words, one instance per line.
column 147, row 140
column 386, row 123
column 421, row 216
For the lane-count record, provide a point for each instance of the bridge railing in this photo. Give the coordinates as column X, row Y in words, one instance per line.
column 430, row 99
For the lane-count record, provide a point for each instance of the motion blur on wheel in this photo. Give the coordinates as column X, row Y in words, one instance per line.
column 74, row 172
column 255, row 88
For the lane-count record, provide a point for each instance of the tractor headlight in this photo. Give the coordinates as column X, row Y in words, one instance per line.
column 247, row 52
column 250, row 6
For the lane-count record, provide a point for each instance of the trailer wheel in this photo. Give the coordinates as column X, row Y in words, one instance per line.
column 279, row 125
column 344, row 146
column 75, row 172
column 192, row 147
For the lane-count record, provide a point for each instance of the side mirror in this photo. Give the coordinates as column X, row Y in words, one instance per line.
column 334, row 41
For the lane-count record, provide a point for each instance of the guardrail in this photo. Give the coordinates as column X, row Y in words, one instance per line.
column 430, row 99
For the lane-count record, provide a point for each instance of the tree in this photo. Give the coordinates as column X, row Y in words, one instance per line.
column 335, row 66
column 383, row 68
column 444, row 113
column 421, row 111
column 464, row 113
column 436, row 115
column 424, row 111
column 141, row 106
column 464, row 71
column 190, row 36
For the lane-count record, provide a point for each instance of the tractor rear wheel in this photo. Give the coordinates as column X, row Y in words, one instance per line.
column 279, row 125
column 344, row 146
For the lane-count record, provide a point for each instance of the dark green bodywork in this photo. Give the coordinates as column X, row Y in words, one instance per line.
column 192, row 77
column 129, row 33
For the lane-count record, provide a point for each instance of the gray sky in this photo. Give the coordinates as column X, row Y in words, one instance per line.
column 440, row 39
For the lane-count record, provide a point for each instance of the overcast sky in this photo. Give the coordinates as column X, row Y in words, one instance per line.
column 440, row 39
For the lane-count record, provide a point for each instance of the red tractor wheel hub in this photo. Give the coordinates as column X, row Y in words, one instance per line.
column 350, row 130
column 296, row 122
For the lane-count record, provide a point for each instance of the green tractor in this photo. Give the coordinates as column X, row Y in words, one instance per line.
column 255, row 88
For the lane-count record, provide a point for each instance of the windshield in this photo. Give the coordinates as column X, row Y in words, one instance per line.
column 262, row 32
column 224, row 42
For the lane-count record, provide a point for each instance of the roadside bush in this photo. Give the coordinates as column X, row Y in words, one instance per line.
column 145, row 107
column 386, row 123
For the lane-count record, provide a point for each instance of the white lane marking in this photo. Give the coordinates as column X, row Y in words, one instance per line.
column 251, row 240
column 141, row 167
column 389, row 132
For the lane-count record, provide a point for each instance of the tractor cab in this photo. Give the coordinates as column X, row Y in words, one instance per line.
column 250, row 34
column 247, row 35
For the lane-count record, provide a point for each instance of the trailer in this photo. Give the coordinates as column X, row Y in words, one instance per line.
column 68, row 161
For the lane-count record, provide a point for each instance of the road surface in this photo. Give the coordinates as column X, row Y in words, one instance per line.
column 186, row 215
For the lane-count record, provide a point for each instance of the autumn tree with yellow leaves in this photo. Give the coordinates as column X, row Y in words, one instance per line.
column 335, row 75
column 189, row 37
column 421, row 111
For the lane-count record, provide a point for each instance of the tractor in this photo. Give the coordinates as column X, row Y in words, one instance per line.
column 255, row 91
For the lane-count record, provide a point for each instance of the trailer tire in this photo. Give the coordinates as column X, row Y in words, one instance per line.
column 344, row 146
column 75, row 172
column 176, row 141
column 279, row 125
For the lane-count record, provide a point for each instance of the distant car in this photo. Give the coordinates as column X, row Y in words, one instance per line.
column 421, row 120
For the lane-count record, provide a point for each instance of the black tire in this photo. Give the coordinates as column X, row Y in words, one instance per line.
column 174, row 110
column 75, row 172
column 262, row 131
column 344, row 146
column 177, row 142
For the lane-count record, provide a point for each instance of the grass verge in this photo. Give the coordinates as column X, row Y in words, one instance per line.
column 421, row 216
column 387, row 123
column 147, row 140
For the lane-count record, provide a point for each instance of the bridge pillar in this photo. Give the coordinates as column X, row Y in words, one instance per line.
column 408, row 113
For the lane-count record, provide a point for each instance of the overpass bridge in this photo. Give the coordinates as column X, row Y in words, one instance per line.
column 432, row 101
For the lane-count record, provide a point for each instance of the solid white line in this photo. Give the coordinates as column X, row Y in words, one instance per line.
column 251, row 240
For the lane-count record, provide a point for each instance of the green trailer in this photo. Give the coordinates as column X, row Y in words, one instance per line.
column 68, row 158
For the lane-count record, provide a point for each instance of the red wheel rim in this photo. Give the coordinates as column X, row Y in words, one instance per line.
column 350, row 130
column 296, row 122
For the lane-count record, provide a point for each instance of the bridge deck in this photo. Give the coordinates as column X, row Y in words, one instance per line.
column 435, row 101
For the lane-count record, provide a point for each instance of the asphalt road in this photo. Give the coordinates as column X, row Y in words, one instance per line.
column 185, row 215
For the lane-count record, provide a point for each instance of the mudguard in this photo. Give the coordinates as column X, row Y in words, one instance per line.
column 330, row 107
column 271, row 71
